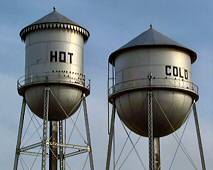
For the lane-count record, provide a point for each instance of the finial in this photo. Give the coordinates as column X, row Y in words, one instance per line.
column 53, row 8
column 150, row 26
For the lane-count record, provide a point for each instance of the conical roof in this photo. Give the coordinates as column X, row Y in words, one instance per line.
column 54, row 17
column 152, row 38
column 54, row 20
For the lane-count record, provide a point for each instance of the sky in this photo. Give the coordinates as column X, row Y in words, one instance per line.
column 111, row 24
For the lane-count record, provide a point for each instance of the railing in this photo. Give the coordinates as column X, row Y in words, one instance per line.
column 154, row 83
column 53, row 78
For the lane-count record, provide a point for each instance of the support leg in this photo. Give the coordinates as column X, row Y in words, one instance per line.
column 53, row 149
column 88, row 133
column 20, row 129
column 111, row 135
column 157, row 164
column 199, row 137
column 61, row 148
column 45, row 125
column 150, row 132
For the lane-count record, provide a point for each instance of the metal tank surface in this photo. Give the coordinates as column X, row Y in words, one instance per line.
column 153, row 62
column 54, row 48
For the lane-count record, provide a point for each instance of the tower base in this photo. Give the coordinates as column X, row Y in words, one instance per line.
column 54, row 146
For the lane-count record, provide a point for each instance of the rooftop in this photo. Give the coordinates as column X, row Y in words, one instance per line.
column 53, row 20
column 152, row 38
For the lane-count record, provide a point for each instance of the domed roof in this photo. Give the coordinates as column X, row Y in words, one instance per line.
column 54, row 20
column 152, row 38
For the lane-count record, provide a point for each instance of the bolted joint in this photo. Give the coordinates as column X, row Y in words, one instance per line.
column 150, row 76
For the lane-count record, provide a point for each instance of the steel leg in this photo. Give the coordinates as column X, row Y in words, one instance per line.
column 61, row 148
column 88, row 133
column 45, row 125
column 111, row 135
column 157, row 164
column 53, row 149
column 150, row 132
column 199, row 137
column 20, row 129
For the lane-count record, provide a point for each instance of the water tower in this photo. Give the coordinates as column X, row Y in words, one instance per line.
column 54, row 84
column 151, row 88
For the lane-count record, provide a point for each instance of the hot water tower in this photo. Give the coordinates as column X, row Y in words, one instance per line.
column 152, row 89
column 54, row 84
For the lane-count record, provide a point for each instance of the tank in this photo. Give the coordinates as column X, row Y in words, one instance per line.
column 152, row 62
column 54, row 48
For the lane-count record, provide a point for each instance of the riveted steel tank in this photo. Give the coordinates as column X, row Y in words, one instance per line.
column 153, row 62
column 54, row 48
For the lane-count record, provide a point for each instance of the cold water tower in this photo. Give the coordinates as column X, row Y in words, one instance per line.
column 151, row 88
column 54, row 84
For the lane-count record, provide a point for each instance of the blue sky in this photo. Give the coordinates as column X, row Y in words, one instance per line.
column 111, row 24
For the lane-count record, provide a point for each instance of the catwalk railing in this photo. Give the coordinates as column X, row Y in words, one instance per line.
column 144, row 83
column 48, row 78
